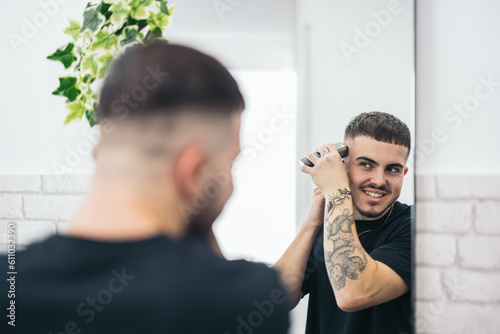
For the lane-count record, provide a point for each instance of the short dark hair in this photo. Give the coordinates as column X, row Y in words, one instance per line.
column 160, row 78
column 380, row 126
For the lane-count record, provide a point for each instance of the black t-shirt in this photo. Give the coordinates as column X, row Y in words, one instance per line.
column 156, row 285
column 388, row 242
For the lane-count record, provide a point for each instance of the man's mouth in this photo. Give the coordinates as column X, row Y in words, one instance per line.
column 374, row 195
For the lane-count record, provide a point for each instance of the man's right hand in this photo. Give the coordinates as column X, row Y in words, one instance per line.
column 316, row 216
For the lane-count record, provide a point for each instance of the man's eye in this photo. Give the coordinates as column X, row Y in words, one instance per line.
column 365, row 164
column 394, row 170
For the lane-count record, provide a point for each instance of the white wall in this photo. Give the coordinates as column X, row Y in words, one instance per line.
column 32, row 135
column 256, row 34
column 458, row 183
column 31, row 131
column 457, row 50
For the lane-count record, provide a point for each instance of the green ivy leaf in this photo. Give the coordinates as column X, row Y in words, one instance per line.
column 154, row 33
column 159, row 20
column 139, row 23
column 104, row 41
column 67, row 88
column 65, row 56
column 103, row 8
column 91, row 115
column 163, row 7
column 108, row 27
column 89, row 65
column 73, row 29
column 139, row 9
column 87, row 94
column 92, row 19
column 76, row 111
column 104, row 62
column 130, row 35
column 120, row 13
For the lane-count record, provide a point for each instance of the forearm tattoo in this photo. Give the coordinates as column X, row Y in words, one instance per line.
column 344, row 257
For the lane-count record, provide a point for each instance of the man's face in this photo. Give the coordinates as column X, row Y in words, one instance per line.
column 376, row 171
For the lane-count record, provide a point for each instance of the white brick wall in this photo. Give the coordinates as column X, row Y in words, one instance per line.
column 457, row 250
column 457, row 241
column 39, row 205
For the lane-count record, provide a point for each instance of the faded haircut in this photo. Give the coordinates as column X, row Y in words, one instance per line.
column 380, row 126
column 162, row 78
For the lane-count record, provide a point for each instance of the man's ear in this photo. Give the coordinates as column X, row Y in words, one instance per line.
column 188, row 169
column 406, row 170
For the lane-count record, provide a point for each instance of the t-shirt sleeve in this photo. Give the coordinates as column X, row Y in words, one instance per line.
column 396, row 254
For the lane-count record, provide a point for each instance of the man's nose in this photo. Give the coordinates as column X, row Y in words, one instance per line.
column 378, row 178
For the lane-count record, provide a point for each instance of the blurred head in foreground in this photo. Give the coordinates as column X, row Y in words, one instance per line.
column 170, row 119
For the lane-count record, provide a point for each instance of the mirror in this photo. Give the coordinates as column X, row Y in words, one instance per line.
column 309, row 67
column 305, row 67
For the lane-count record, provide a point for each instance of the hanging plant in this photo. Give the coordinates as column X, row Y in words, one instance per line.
column 108, row 27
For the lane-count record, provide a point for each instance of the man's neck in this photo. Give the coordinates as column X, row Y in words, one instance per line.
column 121, row 210
column 359, row 216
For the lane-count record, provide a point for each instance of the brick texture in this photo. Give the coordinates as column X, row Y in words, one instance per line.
column 457, row 254
column 447, row 218
column 33, row 231
column 457, row 241
column 479, row 252
column 66, row 183
column 474, row 286
column 21, row 183
column 51, row 207
column 428, row 285
column 435, row 250
column 11, row 206
column 39, row 205
column 451, row 317
column 425, row 187
column 468, row 186
column 488, row 217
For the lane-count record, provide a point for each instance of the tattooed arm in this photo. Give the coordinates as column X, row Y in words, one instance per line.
column 357, row 280
column 344, row 256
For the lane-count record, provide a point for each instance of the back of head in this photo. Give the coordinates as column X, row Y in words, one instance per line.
column 380, row 126
column 170, row 119
column 162, row 78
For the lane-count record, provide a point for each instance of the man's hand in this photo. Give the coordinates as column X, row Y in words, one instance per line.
column 329, row 172
column 316, row 216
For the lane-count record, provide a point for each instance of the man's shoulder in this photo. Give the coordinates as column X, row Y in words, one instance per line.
column 402, row 213
column 242, row 271
column 403, row 209
column 399, row 223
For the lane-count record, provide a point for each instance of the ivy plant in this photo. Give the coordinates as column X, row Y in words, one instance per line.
column 108, row 27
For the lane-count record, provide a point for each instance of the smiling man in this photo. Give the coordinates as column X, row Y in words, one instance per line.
column 352, row 254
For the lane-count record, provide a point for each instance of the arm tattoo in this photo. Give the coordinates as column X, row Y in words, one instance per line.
column 344, row 257
column 337, row 201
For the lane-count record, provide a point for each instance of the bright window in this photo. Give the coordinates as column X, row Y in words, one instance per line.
column 258, row 222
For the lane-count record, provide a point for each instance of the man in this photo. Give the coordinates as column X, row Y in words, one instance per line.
column 353, row 252
column 136, row 257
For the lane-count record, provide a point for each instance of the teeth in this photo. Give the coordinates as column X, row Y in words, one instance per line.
column 375, row 195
